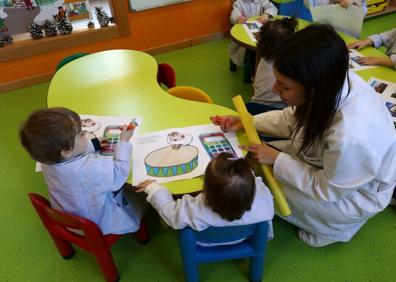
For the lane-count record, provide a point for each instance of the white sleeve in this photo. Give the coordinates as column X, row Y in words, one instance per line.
column 347, row 165
column 276, row 123
column 269, row 8
column 114, row 171
column 180, row 213
column 236, row 11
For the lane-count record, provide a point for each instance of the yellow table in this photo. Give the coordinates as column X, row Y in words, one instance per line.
column 123, row 82
column 240, row 37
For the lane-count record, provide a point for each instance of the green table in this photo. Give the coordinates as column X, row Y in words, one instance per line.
column 239, row 36
column 124, row 82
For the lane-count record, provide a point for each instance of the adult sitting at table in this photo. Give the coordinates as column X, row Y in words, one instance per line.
column 338, row 168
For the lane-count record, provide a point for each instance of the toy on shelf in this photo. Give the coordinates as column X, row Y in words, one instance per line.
column 64, row 26
column 102, row 17
column 90, row 25
column 36, row 31
column 50, row 29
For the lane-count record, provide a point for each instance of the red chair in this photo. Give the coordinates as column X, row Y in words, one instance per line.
column 93, row 241
column 166, row 75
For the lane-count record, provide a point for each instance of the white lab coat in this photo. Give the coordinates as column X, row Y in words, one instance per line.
column 193, row 212
column 248, row 9
column 387, row 39
column 84, row 186
column 349, row 176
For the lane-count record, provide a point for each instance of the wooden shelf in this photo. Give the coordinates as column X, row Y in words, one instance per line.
column 390, row 9
column 29, row 47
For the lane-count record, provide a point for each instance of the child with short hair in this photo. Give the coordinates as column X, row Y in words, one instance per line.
column 79, row 181
column 241, row 11
column 387, row 39
column 271, row 36
column 231, row 196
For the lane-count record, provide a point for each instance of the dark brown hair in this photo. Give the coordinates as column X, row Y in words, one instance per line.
column 272, row 35
column 49, row 131
column 316, row 57
column 229, row 186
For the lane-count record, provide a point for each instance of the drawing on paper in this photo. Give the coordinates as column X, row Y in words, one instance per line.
column 176, row 159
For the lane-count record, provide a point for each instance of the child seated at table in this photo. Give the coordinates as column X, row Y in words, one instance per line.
column 231, row 196
column 387, row 39
column 241, row 11
column 79, row 180
column 271, row 36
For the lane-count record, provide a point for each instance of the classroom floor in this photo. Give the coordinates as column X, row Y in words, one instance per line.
column 27, row 253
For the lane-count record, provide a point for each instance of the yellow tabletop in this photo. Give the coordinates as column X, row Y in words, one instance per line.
column 123, row 82
column 240, row 37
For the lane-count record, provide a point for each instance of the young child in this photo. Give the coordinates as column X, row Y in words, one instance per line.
column 241, row 11
column 387, row 39
column 80, row 181
column 231, row 195
column 271, row 37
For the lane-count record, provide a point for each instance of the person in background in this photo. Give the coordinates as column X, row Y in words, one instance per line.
column 387, row 39
column 241, row 11
column 272, row 35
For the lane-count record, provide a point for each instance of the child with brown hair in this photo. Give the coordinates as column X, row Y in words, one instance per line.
column 79, row 181
column 271, row 36
column 231, row 196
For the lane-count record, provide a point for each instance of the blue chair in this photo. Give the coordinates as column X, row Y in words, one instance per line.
column 254, row 247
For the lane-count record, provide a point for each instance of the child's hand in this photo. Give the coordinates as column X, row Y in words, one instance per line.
column 126, row 132
column 360, row 44
column 345, row 3
column 375, row 61
column 227, row 123
column 263, row 18
column 261, row 152
column 103, row 142
column 242, row 19
column 140, row 187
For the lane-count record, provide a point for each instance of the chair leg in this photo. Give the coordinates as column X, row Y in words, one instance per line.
column 233, row 67
column 249, row 63
column 191, row 273
column 256, row 268
column 64, row 247
column 142, row 234
column 108, row 267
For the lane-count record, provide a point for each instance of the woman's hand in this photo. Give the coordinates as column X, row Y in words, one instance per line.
column 345, row 3
column 227, row 123
column 261, row 152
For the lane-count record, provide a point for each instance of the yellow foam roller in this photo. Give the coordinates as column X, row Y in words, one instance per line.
column 275, row 187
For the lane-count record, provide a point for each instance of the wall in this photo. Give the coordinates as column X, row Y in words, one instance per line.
column 149, row 29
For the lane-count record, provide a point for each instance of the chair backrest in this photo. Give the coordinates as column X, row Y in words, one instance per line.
column 348, row 20
column 60, row 223
column 166, row 75
column 190, row 93
column 69, row 59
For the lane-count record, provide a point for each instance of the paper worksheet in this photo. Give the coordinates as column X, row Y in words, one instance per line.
column 251, row 28
column 179, row 153
column 387, row 90
column 348, row 20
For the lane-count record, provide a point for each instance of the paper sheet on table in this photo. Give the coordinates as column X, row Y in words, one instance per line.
column 348, row 20
column 252, row 27
column 354, row 64
column 387, row 90
column 179, row 153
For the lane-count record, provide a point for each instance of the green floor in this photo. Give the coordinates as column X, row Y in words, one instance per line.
column 27, row 253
